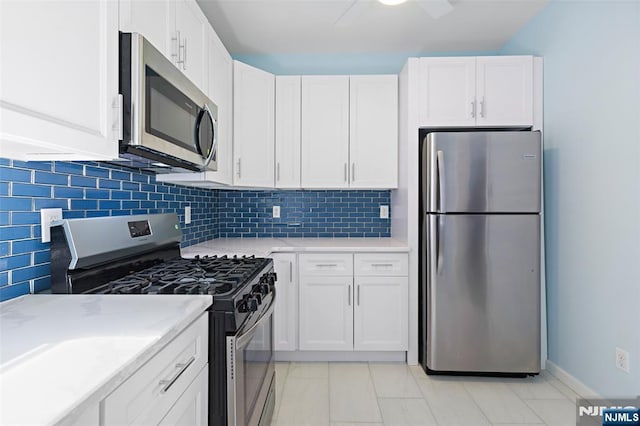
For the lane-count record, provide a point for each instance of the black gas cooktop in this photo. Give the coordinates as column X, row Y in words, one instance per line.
column 218, row 276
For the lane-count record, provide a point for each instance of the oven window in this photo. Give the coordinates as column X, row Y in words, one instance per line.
column 169, row 113
column 257, row 356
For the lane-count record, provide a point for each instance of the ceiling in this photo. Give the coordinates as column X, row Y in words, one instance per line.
column 268, row 27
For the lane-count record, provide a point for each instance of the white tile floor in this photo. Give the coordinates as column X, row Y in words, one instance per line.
column 362, row 394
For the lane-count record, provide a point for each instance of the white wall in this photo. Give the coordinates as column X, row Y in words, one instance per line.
column 591, row 53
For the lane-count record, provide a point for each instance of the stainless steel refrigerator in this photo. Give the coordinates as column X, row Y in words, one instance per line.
column 480, row 249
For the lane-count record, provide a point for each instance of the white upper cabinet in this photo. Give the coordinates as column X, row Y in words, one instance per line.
column 220, row 91
column 325, row 132
column 504, row 90
column 191, row 37
column 253, row 126
column 154, row 19
column 484, row 91
column 448, row 91
column 373, row 131
column 288, row 131
column 177, row 28
column 59, row 80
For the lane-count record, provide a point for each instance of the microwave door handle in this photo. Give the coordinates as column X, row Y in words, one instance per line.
column 214, row 142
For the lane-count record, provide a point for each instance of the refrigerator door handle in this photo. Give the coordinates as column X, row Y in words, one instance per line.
column 434, row 255
column 440, row 171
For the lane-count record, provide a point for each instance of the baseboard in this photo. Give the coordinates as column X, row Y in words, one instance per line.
column 574, row 384
column 339, row 356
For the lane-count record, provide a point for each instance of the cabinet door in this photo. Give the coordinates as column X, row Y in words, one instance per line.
column 191, row 26
column 285, row 315
column 325, row 131
column 447, row 91
column 373, row 131
column 253, row 123
column 504, row 90
column 59, row 80
column 326, row 313
column 381, row 314
column 191, row 407
column 220, row 89
column 154, row 19
column 288, row 100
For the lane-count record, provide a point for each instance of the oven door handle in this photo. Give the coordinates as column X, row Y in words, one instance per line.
column 243, row 338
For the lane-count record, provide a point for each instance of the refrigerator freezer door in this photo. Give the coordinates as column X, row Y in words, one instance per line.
column 481, row 172
column 483, row 293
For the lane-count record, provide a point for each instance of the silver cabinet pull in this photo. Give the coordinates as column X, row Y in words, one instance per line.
column 290, row 272
column 382, row 265
column 473, row 108
column 278, row 172
column 482, row 107
column 345, row 172
column 175, row 47
column 326, row 265
column 358, row 295
column 181, row 48
column 353, row 172
column 184, row 55
column 238, row 171
column 182, row 368
column 349, row 295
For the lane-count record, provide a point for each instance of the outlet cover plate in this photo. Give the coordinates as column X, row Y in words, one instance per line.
column 384, row 212
column 187, row 215
column 622, row 360
column 46, row 217
column 276, row 212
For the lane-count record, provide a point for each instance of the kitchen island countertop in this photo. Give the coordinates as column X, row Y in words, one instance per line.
column 61, row 354
column 262, row 247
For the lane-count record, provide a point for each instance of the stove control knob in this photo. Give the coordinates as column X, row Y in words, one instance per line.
column 252, row 304
column 273, row 277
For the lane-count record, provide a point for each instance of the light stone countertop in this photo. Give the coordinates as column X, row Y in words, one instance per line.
column 261, row 247
column 60, row 354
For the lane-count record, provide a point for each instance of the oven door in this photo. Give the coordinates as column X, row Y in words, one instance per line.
column 250, row 372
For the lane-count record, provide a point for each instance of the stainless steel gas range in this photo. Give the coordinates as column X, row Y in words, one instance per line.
column 141, row 255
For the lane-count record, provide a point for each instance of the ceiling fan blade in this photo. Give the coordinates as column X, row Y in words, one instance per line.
column 353, row 13
column 435, row 8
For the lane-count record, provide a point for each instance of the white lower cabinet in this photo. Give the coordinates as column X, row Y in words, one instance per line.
column 365, row 310
column 285, row 315
column 380, row 316
column 192, row 406
column 171, row 388
column 326, row 313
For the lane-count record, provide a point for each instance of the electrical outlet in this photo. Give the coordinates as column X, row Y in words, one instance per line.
column 622, row 360
column 384, row 212
column 276, row 212
column 46, row 217
column 187, row 215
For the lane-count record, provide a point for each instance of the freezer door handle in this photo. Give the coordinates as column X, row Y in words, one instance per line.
column 440, row 172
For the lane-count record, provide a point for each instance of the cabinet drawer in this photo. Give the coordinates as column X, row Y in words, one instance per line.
column 150, row 392
column 326, row 264
column 382, row 264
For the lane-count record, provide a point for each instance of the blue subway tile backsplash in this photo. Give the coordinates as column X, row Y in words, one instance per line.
column 81, row 189
column 92, row 189
column 335, row 213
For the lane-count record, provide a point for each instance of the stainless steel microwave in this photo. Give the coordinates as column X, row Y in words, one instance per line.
column 167, row 121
